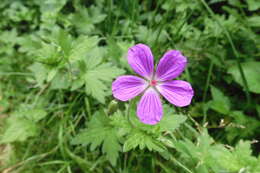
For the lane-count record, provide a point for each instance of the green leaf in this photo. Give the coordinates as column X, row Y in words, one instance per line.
column 64, row 40
column 243, row 154
column 60, row 81
column 210, row 155
column 121, row 124
column 49, row 54
column 220, row 102
column 82, row 21
column 85, row 18
column 81, row 47
column 138, row 138
column 253, row 5
column 225, row 159
column 95, row 87
column 29, row 44
column 22, row 125
column 18, row 129
column 40, row 72
column 100, row 133
column 78, row 83
column 151, row 36
column 111, row 146
column 242, row 125
column 243, row 148
column 254, row 21
column 95, row 78
column 33, row 114
column 94, row 57
column 171, row 122
column 251, row 71
column 51, row 74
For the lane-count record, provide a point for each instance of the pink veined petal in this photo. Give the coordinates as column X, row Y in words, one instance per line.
column 127, row 87
column 140, row 58
column 171, row 65
column 177, row 92
column 149, row 109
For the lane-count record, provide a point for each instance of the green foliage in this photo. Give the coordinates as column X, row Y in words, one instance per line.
column 139, row 138
column 21, row 125
column 95, row 78
column 253, row 5
column 59, row 58
column 242, row 126
column 84, row 19
column 209, row 156
column 100, row 132
column 107, row 131
column 251, row 70
column 220, row 102
column 67, row 63
column 152, row 137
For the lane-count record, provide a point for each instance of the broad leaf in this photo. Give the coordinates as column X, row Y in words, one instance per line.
column 22, row 125
column 138, row 138
column 220, row 102
column 18, row 129
column 251, row 71
column 100, row 133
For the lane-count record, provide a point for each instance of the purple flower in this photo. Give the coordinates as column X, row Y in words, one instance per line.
column 154, row 84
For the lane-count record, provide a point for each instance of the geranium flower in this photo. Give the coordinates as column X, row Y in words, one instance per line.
column 154, row 83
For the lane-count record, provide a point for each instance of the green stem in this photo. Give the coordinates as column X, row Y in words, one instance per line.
column 128, row 112
column 125, row 160
column 88, row 109
column 181, row 165
column 206, row 90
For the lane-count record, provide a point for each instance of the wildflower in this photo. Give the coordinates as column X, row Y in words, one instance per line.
column 154, row 83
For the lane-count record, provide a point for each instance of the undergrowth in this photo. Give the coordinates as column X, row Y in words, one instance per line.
column 59, row 57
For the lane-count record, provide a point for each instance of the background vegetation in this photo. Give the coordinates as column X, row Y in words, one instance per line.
column 59, row 57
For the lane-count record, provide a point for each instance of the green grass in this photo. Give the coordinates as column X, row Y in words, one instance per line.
column 59, row 58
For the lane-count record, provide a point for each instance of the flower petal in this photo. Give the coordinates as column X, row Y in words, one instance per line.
column 140, row 58
column 127, row 87
column 171, row 65
column 149, row 109
column 177, row 92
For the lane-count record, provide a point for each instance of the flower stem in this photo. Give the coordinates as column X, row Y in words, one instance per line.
column 128, row 112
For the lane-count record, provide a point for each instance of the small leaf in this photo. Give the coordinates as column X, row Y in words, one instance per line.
column 52, row 74
column 111, row 146
column 171, row 122
column 22, row 125
column 251, row 71
column 81, row 47
column 34, row 114
column 95, row 87
column 220, row 102
column 244, row 125
column 40, row 72
column 254, row 21
column 60, row 81
column 94, row 80
column 100, row 133
column 18, row 129
column 253, row 5
column 139, row 138
column 78, row 83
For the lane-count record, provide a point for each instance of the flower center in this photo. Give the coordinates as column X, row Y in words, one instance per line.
column 153, row 82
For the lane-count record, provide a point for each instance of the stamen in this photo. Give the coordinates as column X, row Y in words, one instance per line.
column 153, row 82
